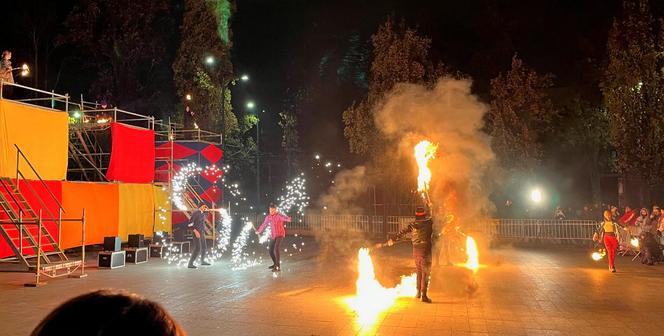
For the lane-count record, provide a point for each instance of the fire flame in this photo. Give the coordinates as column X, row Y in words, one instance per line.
column 473, row 256
column 371, row 298
column 597, row 256
column 424, row 151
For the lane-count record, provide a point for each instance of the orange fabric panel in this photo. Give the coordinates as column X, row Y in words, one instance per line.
column 135, row 209
column 41, row 133
column 100, row 201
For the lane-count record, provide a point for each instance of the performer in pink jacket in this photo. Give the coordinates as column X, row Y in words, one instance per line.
column 277, row 233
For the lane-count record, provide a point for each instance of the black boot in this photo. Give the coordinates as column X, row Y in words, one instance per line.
column 192, row 266
column 271, row 267
column 425, row 298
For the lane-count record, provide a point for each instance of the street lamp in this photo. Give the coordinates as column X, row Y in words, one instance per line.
column 536, row 195
column 244, row 78
column 188, row 97
column 251, row 105
column 209, row 60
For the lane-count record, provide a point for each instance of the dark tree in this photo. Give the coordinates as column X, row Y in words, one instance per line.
column 202, row 66
column 520, row 116
column 633, row 90
column 124, row 44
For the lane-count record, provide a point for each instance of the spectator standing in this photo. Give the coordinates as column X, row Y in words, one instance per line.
column 558, row 214
column 642, row 221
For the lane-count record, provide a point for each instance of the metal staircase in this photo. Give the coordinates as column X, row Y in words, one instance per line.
column 23, row 229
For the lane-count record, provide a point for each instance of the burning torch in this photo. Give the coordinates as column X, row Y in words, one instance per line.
column 25, row 70
column 424, row 152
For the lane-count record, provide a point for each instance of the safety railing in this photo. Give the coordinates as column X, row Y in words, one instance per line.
column 504, row 229
column 42, row 98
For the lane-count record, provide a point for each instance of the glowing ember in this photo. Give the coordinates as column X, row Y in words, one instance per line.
column 424, row 151
column 371, row 298
column 597, row 256
column 635, row 242
column 473, row 256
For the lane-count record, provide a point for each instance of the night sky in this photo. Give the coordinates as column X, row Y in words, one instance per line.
column 313, row 44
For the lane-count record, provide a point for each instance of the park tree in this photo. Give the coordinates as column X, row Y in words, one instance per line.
column 520, row 116
column 124, row 44
column 633, row 91
column 203, row 68
column 399, row 55
column 288, row 122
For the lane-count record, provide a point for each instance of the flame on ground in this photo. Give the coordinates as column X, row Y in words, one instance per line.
column 371, row 298
column 424, row 151
column 473, row 256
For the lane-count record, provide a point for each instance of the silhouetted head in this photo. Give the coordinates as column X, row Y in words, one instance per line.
column 108, row 312
column 420, row 213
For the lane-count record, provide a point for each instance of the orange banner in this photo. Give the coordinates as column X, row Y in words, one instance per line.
column 101, row 203
column 41, row 133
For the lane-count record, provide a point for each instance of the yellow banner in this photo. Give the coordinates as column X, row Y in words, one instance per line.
column 135, row 209
column 42, row 135
column 163, row 210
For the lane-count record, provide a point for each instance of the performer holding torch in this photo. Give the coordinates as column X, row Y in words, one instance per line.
column 421, row 234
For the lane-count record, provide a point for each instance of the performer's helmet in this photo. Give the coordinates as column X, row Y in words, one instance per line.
column 420, row 213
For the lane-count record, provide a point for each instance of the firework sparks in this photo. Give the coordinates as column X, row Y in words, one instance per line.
column 240, row 258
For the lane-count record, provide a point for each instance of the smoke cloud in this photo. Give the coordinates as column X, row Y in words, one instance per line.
column 341, row 197
column 449, row 115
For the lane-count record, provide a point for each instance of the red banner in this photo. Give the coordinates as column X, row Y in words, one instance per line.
column 132, row 154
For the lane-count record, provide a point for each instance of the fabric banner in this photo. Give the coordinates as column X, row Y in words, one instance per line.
column 163, row 210
column 132, row 154
column 51, row 205
column 205, row 155
column 41, row 133
column 100, row 201
column 135, row 210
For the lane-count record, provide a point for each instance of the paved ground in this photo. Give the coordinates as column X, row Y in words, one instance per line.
column 552, row 291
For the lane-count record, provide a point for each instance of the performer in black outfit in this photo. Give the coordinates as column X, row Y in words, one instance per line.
column 421, row 232
column 197, row 223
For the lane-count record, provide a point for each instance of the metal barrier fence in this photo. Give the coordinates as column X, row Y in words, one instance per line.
column 570, row 231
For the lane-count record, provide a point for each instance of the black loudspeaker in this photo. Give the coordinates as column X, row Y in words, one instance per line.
column 136, row 240
column 137, row 255
column 111, row 259
column 156, row 250
column 112, row 244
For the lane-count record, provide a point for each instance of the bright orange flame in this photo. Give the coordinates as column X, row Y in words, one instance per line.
column 424, row 151
column 371, row 298
column 473, row 256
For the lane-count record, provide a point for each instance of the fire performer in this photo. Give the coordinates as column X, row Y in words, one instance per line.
column 421, row 232
column 197, row 223
column 277, row 233
column 609, row 232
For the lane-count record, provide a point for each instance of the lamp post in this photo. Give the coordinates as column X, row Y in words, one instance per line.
column 250, row 106
column 211, row 61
